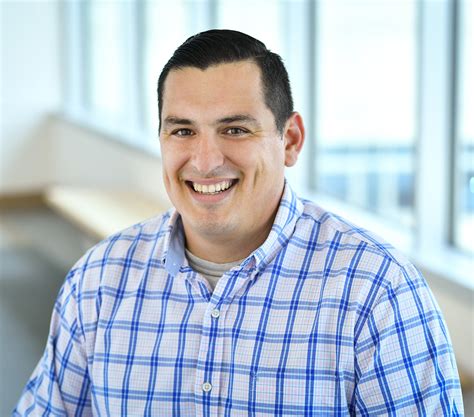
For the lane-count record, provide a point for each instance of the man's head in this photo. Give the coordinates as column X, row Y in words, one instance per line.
column 223, row 155
column 215, row 47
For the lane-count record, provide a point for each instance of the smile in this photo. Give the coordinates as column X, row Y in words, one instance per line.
column 211, row 189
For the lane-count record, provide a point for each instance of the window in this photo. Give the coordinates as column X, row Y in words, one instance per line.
column 464, row 151
column 366, row 100
column 107, row 57
column 168, row 24
column 160, row 42
column 370, row 77
column 234, row 15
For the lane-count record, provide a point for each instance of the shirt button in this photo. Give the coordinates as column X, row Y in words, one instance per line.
column 206, row 387
column 215, row 313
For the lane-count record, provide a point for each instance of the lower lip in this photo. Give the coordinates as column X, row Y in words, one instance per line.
column 211, row 198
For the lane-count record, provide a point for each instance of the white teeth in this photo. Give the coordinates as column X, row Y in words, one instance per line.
column 212, row 188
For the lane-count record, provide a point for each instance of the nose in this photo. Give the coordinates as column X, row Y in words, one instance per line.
column 207, row 154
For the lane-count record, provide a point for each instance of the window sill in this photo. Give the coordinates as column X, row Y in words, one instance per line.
column 101, row 213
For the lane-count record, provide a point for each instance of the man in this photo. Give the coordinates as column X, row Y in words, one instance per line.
column 244, row 300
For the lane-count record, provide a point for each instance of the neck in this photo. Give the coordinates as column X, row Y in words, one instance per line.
column 225, row 249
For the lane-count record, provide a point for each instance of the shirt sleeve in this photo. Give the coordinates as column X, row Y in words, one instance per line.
column 60, row 385
column 404, row 360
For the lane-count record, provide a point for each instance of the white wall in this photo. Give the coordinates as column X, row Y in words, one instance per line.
column 86, row 158
column 30, row 89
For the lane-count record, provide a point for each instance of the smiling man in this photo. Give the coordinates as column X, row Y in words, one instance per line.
column 244, row 299
column 224, row 157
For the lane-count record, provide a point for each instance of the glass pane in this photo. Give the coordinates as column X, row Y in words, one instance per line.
column 464, row 187
column 234, row 14
column 166, row 29
column 109, row 28
column 366, row 104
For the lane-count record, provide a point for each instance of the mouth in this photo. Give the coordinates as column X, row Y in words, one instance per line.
column 212, row 189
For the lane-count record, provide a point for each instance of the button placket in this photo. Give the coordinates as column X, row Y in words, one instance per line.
column 206, row 380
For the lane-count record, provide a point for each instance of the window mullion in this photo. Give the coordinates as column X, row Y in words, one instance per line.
column 432, row 186
column 74, row 57
column 300, row 65
column 132, row 57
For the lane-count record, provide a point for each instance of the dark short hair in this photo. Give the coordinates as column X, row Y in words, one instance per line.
column 219, row 46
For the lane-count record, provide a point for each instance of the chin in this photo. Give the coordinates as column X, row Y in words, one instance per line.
column 211, row 226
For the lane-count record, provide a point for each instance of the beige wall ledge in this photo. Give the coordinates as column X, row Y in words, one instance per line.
column 101, row 213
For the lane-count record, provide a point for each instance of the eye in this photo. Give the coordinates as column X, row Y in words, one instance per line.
column 235, row 131
column 182, row 132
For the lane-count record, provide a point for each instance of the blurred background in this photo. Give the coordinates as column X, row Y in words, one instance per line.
column 386, row 88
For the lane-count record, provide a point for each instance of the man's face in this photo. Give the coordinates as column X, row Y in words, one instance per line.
column 223, row 158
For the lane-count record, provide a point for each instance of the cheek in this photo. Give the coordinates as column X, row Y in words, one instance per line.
column 167, row 171
column 263, row 157
column 271, row 164
column 172, row 160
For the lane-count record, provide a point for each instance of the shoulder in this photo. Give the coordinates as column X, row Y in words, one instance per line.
column 138, row 236
column 370, row 274
column 362, row 265
column 345, row 235
column 131, row 247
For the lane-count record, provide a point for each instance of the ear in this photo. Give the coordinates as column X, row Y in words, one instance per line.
column 294, row 138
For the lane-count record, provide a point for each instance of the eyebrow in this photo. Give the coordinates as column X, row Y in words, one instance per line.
column 172, row 120
column 246, row 118
column 238, row 118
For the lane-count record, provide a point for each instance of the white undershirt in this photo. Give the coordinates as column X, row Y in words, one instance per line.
column 210, row 270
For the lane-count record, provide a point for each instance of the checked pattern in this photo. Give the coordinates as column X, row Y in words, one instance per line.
column 324, row 319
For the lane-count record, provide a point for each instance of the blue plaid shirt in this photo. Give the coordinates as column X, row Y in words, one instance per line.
column 322, row 319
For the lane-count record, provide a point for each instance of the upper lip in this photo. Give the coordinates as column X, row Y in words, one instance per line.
column 208, row 181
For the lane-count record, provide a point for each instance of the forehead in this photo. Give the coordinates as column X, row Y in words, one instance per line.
column 232, row 86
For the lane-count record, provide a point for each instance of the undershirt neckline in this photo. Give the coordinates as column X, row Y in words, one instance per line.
column 210, row 270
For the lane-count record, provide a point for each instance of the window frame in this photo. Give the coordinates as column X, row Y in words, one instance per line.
column 431, row 243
